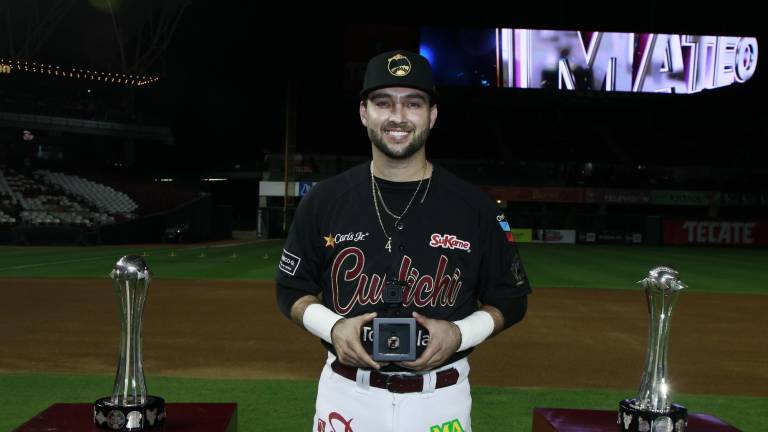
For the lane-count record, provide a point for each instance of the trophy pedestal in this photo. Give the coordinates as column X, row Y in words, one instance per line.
column 183, row 417
column 582, row 420
column 107, row 415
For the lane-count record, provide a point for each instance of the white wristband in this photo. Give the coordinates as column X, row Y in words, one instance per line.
column 474, row 329
column 319, row 320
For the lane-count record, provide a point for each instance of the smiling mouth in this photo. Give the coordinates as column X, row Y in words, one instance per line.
column 397, row 134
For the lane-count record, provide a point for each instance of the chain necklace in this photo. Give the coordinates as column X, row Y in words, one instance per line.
column 416, row 192
column 376, row 190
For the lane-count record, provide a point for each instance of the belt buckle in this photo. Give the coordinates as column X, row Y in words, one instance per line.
column 393, row 378
column 388, row 382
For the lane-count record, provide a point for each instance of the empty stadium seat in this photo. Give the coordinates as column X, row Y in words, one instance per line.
column 101, row 196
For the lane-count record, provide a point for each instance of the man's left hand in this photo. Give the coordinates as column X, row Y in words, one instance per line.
column 444, row 340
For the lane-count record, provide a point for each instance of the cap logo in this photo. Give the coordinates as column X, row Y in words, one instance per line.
column 399, row 65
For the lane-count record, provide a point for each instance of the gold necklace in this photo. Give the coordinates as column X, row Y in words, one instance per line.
column 416, row 192
column 375, row 189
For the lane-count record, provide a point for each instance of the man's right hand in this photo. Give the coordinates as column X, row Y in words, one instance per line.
column 345, row 336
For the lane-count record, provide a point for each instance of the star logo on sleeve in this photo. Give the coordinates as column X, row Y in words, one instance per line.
column 330, row 241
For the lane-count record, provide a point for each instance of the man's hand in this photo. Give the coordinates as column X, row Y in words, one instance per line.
column 444, row 340
column 345, row 336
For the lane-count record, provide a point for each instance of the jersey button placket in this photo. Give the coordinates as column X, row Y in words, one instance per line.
column 398, row 243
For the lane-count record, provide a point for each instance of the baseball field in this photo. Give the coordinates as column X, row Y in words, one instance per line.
column 212, row 333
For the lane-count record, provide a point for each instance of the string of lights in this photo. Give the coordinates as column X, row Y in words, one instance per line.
column 9, row 65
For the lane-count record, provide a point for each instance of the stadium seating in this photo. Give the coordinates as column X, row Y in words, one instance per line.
column 54, row 199
column 102, row 197
column 6, row 219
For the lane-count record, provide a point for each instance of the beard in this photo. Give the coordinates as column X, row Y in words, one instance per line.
column 417, row 142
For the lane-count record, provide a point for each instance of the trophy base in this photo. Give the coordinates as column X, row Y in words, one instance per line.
column 633, row 419
column 129, row 418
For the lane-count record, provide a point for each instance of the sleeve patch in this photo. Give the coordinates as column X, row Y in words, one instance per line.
column 289, row 262
column 505, row 228
column 517, row 270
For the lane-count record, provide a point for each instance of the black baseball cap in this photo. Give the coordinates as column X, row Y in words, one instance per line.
column 398, row 69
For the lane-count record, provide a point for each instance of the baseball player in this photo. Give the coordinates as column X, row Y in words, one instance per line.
column 399, row 219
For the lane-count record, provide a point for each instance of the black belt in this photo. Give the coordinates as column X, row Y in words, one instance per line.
column 398, row 383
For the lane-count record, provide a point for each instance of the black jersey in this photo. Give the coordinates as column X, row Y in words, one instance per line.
column 451, row 250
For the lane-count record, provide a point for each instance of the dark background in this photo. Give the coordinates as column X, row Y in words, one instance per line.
column 321, row 52
column 226, row 74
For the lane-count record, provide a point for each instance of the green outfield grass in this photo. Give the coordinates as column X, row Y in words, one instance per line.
column 251, row 261
column 275, row 405
column 705, row 269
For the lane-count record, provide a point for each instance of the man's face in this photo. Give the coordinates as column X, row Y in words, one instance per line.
column 398, row 120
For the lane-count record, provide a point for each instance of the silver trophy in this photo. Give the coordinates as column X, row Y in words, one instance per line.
column 652, row 410
column 130, row 408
